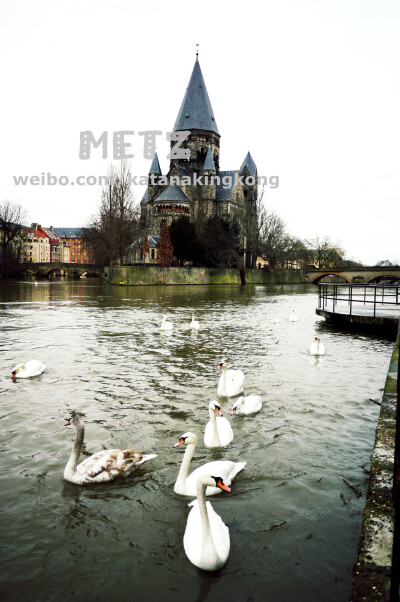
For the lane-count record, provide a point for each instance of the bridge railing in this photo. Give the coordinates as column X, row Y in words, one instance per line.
column 337, row 297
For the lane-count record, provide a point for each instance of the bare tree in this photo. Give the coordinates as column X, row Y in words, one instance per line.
column 116, row 225
column 12, row 217
column 326, row 253
column 272, row 235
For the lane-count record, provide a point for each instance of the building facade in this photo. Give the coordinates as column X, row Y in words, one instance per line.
column 79, row 250
column 195, row 186
column 36, row 245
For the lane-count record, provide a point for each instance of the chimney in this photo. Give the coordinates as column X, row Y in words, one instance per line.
column 34, row 226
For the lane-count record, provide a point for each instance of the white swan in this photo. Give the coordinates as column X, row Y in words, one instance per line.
column 165, row 325
column 187, row 485
column 218, row 431
column 292, row 317
column 206, row 539
column 275, row 320
column 194, row 325
column 317, row 348
column 230, row 382
column 31, row 368
column 247, row 405
column 104, row 466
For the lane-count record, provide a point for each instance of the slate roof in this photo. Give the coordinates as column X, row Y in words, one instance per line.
column 155, row 166
column 249, row 163
column 196, row 112
column 145, row 197
column 68, row 232
column 153, row 242
column 224, row 191
column 183, row 171
column 173, row 193
column 209, row 162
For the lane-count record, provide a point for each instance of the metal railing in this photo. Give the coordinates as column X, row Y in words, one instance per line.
column 371, row 296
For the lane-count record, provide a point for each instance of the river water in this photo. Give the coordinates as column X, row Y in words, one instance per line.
column 295, row 511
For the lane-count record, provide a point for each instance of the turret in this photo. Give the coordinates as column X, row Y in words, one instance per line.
column 196, row 115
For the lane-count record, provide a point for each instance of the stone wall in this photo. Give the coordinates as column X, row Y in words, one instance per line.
column 156, row 275
column 372, row 573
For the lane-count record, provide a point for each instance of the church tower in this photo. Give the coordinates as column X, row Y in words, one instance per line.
column 196, row 115
column 196, row 187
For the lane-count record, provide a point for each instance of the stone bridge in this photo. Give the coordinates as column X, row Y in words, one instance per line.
column 71, row 270
column 364, row 275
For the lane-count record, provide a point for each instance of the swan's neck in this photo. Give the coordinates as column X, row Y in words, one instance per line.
column 317, row 345
column 208, row 549
column 184, row 469
column 76, row 450
column 214, row 429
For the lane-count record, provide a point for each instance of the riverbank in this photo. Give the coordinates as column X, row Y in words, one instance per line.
column 157, row 275
column 372, row 573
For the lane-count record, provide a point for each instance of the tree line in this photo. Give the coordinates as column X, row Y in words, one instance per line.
column 212, row 242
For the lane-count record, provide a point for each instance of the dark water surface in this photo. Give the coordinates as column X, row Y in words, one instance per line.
column 294, row 512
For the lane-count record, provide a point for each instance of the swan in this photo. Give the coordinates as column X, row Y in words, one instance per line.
column 206, row 539
column 165, row 325
column 317, row 348
column 194, row 325
column 186, row 485
column 292, row 317
column 218, row 431
column 247, row 405
column 104, row 466
column 275, row 320
column 230, row 382
column 31, row 368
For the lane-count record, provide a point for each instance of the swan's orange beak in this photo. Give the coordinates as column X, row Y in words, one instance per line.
column 180, row 442
column 222, row 485
column 220, row 366
column 13, row 374
column 218, row 410
column 68, row 421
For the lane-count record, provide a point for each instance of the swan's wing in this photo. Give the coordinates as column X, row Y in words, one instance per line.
column 33, row 368
column 225, row 431
column 208, row 434
column 225, row 469
column 234, row 382
column 252, row 404
column 109, row 464
column 219, row 532
column 193, row 537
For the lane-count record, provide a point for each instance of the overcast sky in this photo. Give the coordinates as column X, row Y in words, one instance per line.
column 311, row 88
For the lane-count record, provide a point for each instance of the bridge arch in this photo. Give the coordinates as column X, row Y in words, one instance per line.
column 376, row 278
column 319, row 277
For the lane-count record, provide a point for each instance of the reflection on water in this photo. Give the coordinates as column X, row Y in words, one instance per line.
column 295, row 511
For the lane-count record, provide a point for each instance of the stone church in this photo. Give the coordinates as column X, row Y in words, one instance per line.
column 196, row 187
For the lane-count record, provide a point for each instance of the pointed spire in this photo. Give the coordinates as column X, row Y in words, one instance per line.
column 249, row 163
column 209, row 164
column 155, row 166
column 196, row 112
